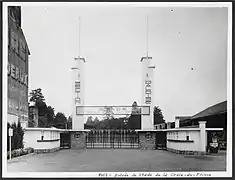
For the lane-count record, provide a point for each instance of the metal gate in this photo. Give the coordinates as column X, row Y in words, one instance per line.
column 65, row 141
column 112, row 139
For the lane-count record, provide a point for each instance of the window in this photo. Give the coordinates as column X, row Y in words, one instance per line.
column 42, row 135
column 187, row 135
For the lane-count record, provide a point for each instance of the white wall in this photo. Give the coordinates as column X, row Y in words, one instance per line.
column 186, row 146
column 31, row 137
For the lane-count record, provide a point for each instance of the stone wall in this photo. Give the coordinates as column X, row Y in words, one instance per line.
column 186, row 152
column 47, row 150
column 78, row 140
column 147, row 140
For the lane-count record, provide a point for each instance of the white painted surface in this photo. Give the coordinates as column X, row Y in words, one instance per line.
column 78, row 76
column 31, row 135
column 177, row 123
column 147, row 122
column 202, row 126
column 186, row 146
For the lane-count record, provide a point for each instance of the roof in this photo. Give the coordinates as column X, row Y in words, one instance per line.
column 217, row 109
column 182, row 117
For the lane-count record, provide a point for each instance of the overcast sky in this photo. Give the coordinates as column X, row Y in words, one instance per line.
column 113, row 40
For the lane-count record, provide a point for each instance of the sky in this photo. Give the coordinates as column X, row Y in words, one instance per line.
column 113, row 40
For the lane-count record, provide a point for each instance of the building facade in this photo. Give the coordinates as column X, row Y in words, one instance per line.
column 18, row 56
column 33, row 116
column 192, row 134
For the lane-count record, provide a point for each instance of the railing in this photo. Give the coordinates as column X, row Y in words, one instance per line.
column 109, row 138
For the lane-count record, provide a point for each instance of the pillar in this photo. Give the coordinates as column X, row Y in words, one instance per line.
column 78, row 139
column 147, row 121
column 168, row 125
column 177, row 123
column 147, row 140
column 78, row 94
column 202, row 126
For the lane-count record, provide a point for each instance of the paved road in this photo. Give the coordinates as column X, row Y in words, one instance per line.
column 117, row 160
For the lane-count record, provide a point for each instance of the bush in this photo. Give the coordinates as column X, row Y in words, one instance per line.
column 29, row 150
column 17, row 138
column 19, row 152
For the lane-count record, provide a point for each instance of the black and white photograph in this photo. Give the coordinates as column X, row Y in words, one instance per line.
column 119, row 90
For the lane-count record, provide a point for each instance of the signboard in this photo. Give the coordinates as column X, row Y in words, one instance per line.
column 112, row 110
column 10, row 132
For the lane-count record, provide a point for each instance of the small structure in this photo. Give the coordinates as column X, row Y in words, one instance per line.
column 33, row 115
column 42, row 139
column 190, row 135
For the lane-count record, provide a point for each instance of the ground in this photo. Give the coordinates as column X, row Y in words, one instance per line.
column 116, row 160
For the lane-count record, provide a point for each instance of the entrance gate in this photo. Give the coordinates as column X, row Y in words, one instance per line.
column 112, row 138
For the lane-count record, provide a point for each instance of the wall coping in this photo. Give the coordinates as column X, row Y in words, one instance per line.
column 81, row 130
column 190, row 129
column 146, row 130
column 178, row 140
column 49, row 140
column 42, row 129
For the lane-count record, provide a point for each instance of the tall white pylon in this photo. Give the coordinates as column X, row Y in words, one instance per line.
column 78, row 87
column 147, row 121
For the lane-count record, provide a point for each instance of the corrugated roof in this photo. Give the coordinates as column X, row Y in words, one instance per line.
column 213, row 110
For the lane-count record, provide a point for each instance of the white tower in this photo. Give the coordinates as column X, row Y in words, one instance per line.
column 78, row 91
column 147, row 121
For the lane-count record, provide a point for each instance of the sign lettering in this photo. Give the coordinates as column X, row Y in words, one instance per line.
column 26, row 79
column 148, row 92
column 9, row 69
column 77, row 86
column 77, row 100
column 17, row 74
column 13, row 71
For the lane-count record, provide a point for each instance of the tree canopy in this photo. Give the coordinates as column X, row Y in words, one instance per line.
column 158, row 116
column 46, row 113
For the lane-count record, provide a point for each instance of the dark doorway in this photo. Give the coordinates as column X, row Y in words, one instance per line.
column 65, row 141
column 160, row 140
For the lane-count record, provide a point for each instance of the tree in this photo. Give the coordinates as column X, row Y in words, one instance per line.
column 60, row 120
column 134, row 121
column 50, row 115
column 36, row 96
column 108, row 112
column 96, row 120
column 135, row 109
column 69, row 126
column 89, row 120
column 158, row 116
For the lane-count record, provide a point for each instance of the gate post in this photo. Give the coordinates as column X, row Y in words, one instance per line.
column 78, row 139
column 147, row 139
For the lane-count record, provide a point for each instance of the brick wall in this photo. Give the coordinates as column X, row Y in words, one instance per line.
column 78, row 140
column 147, row 140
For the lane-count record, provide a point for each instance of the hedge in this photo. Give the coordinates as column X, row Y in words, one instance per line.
column 19, row 152
column 17, row 138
